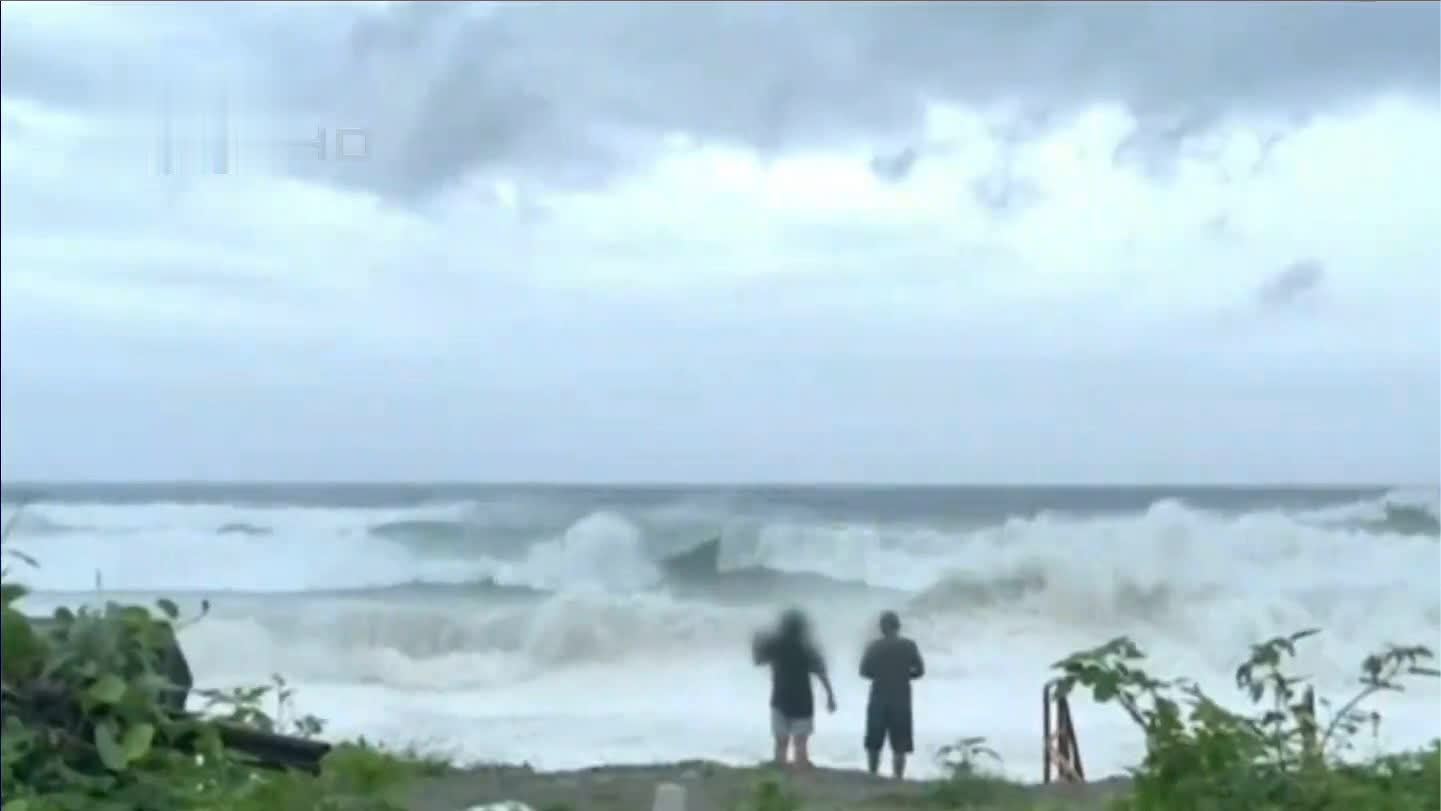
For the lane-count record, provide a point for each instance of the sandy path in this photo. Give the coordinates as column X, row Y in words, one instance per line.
column 710, row 787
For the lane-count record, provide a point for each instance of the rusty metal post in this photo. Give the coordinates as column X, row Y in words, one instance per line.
column 1073, row 743
column 1061, row 749
column 1046, row 733
column 1308, row 725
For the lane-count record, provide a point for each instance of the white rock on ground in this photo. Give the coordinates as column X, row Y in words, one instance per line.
column 508, row 805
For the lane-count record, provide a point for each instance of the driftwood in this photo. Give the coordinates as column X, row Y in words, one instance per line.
column 271, row 751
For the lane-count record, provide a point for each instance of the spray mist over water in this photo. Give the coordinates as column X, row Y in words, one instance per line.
column 456, row 617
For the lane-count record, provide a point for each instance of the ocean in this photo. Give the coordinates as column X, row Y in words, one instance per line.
column 572, row 626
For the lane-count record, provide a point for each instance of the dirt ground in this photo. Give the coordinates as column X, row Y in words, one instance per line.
column 709, row 787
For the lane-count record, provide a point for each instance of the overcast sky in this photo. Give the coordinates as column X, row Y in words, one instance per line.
column 747, row 242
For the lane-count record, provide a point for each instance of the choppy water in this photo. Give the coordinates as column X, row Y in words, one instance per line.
column 569, row 626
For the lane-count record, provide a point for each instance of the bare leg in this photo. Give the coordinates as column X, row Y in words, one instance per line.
column 780, row 755
column 873, row 760
column 898, row 765
column 802, row 750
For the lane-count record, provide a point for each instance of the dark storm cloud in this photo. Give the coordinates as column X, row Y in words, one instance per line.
column 1292, row 285
column 577, row 93
column 896, row 166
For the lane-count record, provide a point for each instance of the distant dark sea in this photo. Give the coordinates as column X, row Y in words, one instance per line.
column 880, row 502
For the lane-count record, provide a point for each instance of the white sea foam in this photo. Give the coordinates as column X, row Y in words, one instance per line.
column 612, row 667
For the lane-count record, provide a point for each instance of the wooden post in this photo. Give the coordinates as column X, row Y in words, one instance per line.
column 1046, row 733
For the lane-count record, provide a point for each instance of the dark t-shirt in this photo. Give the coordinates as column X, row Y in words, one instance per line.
column 792, row 664
column 891, row 662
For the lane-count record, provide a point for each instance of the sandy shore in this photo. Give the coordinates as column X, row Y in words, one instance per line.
column 713, row 787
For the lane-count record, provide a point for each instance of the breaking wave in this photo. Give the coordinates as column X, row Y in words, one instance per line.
column 240, row 548
column 427, row 597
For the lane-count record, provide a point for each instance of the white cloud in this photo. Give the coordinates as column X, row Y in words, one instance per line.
column 719, row 312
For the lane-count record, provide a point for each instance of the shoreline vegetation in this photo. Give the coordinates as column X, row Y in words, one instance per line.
column 90, row 723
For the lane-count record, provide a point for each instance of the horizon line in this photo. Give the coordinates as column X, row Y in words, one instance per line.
column 655, row 484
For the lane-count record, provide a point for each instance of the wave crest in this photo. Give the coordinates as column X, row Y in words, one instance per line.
column 236, row 548
column 454, row 644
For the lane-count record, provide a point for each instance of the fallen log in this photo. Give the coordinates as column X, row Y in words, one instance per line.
column 273, row 751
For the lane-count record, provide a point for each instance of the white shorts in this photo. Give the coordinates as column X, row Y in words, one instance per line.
column 783, row 727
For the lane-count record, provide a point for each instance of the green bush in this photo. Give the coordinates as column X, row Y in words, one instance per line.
column 771, row 795
column 973, row 779
column 89, row 724
column 1201, row 756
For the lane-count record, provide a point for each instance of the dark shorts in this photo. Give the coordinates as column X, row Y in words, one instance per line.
column 889, row 722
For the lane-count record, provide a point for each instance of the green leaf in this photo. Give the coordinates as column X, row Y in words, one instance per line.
column 137, row 740
column 133, row 615
column 23, row 649
column 111, row 754
column 168, row 608
column 109, row 689
column 10, row 592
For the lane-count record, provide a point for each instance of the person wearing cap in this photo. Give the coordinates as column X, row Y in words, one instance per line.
column 891, row 663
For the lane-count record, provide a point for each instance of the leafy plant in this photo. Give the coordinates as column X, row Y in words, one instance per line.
column 92, row 721
column 244, row 706
column 965, row 756
column 1201, row 755
column 973, row 778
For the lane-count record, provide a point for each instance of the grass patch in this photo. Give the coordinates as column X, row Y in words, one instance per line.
column 771, row 795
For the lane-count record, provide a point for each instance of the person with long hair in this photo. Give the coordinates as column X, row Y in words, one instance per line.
column 794, row 659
